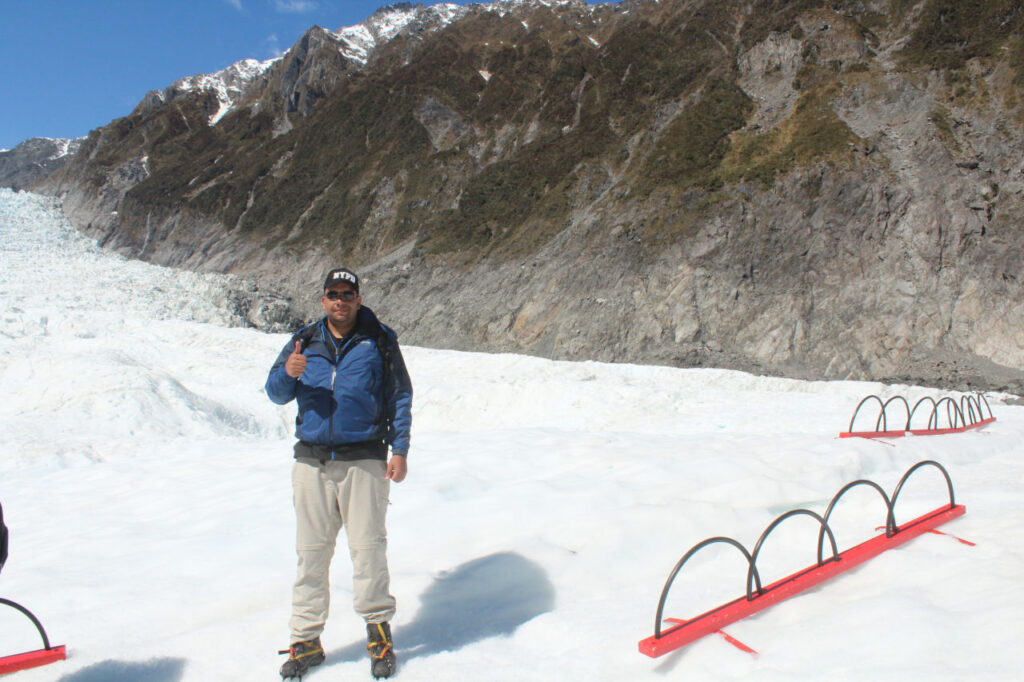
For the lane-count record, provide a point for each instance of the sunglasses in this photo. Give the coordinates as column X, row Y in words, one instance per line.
column 347, row 295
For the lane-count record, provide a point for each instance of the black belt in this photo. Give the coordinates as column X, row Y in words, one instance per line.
column 345, row 452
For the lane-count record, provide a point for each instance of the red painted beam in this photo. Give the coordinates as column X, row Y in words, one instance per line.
column 31, row 659
column 915, row 432
column 738, row 609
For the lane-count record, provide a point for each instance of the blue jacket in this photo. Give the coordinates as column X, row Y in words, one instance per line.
column 346, row 395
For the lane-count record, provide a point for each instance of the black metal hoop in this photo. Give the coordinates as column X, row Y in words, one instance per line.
column 899, row 487
column 769, row 529
column 953, row 413
column 967, row 409
column 31, row 617
column 971, row 405
column 931, row 415
column 835, row 500
column 686, row 557
column 881, row 417
column 982, row 398
column 906, row 406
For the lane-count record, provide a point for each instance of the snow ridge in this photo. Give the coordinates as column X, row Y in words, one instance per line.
column 63, row 148
column 383, row 25
column 228, row 84
column 358, row 43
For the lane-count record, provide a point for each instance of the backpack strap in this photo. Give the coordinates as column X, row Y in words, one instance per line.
column 306, row 334
column 384, row 348
column 371, row 328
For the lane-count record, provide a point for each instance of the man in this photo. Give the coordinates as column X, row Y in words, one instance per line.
column 354, row 400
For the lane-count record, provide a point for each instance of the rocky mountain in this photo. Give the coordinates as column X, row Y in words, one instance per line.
column 828, row 189
column 33, row 160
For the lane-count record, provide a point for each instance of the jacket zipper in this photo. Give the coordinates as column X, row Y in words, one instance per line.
column 334, row 373
column 338, row 354
column 330, row 420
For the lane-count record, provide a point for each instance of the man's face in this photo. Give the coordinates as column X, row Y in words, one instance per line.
column 341, row 312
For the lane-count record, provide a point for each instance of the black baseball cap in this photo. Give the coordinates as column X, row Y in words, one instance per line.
column 339, row 275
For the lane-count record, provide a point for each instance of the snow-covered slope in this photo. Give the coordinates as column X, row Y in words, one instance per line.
column 144, row 476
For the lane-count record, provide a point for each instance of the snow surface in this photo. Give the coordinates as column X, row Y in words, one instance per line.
column 144, row 477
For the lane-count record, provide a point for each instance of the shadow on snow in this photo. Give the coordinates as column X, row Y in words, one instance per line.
column 156, row 670
column 482, row 598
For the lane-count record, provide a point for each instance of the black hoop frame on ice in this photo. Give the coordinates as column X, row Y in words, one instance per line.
column 968, row 413
column 754, row 589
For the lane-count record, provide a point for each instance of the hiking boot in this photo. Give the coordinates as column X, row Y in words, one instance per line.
column 301, row 657
column 382, row 650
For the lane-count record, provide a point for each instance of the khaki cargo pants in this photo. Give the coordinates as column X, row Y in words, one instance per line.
column 328, row 496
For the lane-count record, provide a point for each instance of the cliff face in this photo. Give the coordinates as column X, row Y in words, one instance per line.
column 816, row 189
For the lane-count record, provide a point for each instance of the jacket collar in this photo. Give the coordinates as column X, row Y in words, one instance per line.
column 367, row 326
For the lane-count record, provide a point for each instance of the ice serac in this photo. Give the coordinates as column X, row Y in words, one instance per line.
column 814, row 189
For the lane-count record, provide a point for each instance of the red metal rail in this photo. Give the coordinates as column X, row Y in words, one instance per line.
column 968, row 414
column 915, row 432
column 717, row 618
column 31, row 659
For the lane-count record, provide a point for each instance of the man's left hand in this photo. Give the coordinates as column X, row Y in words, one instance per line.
column 398, row 467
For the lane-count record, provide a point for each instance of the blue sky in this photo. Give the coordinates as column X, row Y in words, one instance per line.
column 68, row 66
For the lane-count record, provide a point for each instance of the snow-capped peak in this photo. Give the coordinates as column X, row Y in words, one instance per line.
column 357, row 45
column 386, row 23
column 64, row 146
column 228, row 84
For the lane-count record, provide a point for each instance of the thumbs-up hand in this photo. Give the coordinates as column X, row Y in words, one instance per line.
column 295, row 365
